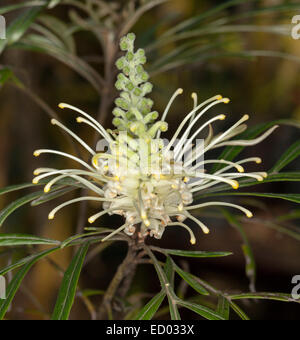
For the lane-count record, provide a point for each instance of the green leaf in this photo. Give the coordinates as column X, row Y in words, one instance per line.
column 169, row 270
column 205, row 312
column 223, row 307
column 22, row 240
column 25, row 260
column 17, row 280
column 51, row 195
column 187, row 253
column 15, row 188
column 291, row 154
column 265, row 296
column 68, row 287
column 293, row 215
column 4, row 213
column 166, row 286
column 191, row 280
column 287, row 197
column 61, row 31
column 197, row 19
column 148, row 312
column 239, row 311
column 19, row 27
column 10, row 8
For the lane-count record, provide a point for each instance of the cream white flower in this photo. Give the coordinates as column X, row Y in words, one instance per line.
column 151, row 184
column 145, row 181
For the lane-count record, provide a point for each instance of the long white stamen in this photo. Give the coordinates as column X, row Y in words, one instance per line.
column 39, row 171
column 64, row 105
column 177, row 149
column 39, row 152
column 219, row 161
column 95, row 217
column 200, row 224
column 95, row 127
column 195, row 100
column 164, row 116
column 193, row 238
column 114, row 233
column 200, row 206
column 79, row 179
column 234, row 184
column 221, row 137
column 76, row 200
column 37, row 179
column 71, row 133
column 216, row 100
column 248, row 142
column 259, row 176
column 199, row 115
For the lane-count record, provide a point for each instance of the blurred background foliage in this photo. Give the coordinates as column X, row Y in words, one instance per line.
column 255, row 63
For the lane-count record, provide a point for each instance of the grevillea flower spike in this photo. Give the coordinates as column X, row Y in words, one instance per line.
column 142, row 178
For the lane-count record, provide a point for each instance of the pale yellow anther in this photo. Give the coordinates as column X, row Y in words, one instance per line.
column 53, row 121
column 36, row 172
column 219, row 97
column 95, row 162
column 194, row 96
column 265, row 175
column 79, row 120
column 246, row 117
column 51, row 216
column 180, row 91
column 259, row 161
column 36, row 153
column 205, row 230
column 91, row 220
column 186, row 180
column 240, row 169
column 47, row 189
column 61, row 105
column 174, row 186
column 35, row 181
column 235, row 184
column 147, row 223
column 193, row 241
column 249, row 214
column 222, row 117
column 226, row 100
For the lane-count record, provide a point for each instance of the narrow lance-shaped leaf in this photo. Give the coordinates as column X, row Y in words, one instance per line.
column 148, row 312
column 19, row 27
column 166, row 286
column 291, row 154
column 17, row 280
column 68, row 287
column 23, row 239
column 191, row 280
column 287, row 197
column 223, row 307
column 187, row 253
column 4, row 213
